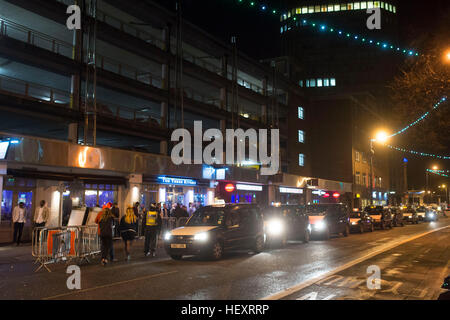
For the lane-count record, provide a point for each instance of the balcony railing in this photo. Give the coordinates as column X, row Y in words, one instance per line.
column 62, row 99
column 38, row 39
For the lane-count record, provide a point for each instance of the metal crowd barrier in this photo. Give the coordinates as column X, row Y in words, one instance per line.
column 52, row 245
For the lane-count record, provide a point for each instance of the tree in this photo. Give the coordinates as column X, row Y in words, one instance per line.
column 422, row 83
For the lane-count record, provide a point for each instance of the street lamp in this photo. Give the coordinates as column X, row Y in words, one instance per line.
column 380, row 137
column 447, row 56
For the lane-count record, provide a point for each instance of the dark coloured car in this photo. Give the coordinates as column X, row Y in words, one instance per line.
column 382, row 218
column 286, row 222
column 410, row 215
column 360, row 222
column 212, row 230
column 328, row 219
column 397, row 217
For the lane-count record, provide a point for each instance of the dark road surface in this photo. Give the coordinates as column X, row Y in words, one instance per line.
column 413, row 261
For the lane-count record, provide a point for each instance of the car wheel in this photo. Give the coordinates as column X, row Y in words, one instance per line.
column 176, row 257
column 361, row 228
column 259, row 244
column 346, row 231
column 217, row 251
column 306, row 236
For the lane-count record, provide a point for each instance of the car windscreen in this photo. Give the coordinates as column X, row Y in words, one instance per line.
column 207, row 217
column 320, row 210
column 272, row 212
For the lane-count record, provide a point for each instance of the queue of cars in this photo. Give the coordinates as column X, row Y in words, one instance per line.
column 212, row 230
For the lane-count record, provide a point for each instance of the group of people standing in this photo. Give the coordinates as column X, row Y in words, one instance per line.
column 20, row 217
column 128, row 228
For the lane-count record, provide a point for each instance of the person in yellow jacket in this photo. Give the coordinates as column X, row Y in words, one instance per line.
column 152, row 223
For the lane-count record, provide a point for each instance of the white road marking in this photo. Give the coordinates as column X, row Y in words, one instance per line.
column 307, row 283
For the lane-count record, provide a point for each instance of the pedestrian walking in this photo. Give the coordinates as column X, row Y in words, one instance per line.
column 19, row 220
column 152, row 223
column 165, row 211
column 105, row 224
column 128, row 229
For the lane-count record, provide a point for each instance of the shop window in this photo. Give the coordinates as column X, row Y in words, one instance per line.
column 363, row 5
column 356, row 6
column 337, row 7
column 324, row 8
column 317, row 9
column 312, row 83
column 357, row 156
column 311, row 9
column 343, row 7
column 304, row 10
column 330, row 8
column 370, row 4
column 319, row 82
column 333, row 82
column 350, row 6
column 326, row 82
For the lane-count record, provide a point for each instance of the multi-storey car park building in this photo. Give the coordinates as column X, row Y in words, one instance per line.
column 72, row 152
column 345, row 69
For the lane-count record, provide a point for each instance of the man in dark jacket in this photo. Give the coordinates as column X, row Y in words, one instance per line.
column 152, row 223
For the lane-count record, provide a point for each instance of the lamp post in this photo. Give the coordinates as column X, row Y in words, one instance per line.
column 380, row 137
column 427, row 182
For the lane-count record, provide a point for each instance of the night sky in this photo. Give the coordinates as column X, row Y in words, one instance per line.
column 258, row 36
column 258, row 32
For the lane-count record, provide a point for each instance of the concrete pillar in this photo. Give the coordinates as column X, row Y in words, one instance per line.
column 264, row 106
column 49, row 191
column 131, row 194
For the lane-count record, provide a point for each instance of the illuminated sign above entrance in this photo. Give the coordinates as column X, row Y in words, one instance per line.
column 177, row 181
column 248, row 187
column 291, row 190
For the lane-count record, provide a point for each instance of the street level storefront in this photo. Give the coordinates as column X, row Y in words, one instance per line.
column 172, row 189
column 241, row 192
column 289, row 195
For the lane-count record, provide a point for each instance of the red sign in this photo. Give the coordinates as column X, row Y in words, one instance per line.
column 229, row 187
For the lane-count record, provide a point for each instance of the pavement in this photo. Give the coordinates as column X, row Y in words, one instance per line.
column 412, row 261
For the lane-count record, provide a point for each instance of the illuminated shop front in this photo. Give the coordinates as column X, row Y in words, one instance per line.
column 289, row 195
column 182, row 190
column 240, row 192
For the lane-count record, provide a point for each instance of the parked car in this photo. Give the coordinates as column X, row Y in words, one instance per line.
column 360, row 221
column 213, row 230
column 382, row 218
column 286, row 222
column 328, row 219
column 421, row 213
column 410, row 215
column 397, row 217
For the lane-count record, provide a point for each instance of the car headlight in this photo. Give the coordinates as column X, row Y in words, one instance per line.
column 354, row 223
column 320, row 225
column 167, row 236
column 410, row 217
column 275, row 227
column 439, row 208
column 430, row 214
column 201, row 236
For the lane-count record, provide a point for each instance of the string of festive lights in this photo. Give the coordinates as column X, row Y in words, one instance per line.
column 346, row 35
column 323, row 28
column 443, row 99
column 441, row 171
column 418, row 153
column 438, row 173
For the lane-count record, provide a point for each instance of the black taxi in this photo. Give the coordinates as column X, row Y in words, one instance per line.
column 382, row 218
column 360, row 221
column 212, row 230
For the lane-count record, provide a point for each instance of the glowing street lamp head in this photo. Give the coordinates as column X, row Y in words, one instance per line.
column 435, row 168
column 447, row 56
column 381, row 137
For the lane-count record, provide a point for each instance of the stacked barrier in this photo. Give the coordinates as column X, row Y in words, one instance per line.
column 53, row 245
